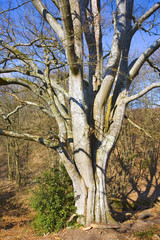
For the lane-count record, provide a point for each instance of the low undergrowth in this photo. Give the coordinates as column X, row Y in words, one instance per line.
column 53, row 200
column 148, row 234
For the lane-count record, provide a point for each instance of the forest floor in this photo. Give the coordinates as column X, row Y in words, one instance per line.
column 16, row 217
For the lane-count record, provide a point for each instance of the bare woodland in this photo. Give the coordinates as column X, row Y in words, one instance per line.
column 55, row 51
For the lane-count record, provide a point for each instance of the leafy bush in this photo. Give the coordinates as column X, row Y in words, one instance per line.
column 53, row 200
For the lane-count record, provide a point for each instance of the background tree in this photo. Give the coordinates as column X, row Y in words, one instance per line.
column 133, row 171
column 20, row 119
column 48, row 56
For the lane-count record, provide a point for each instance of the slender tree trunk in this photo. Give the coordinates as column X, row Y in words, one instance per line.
column 17, row 163
column 18, row 175
column 10, row 163
column 25, row 165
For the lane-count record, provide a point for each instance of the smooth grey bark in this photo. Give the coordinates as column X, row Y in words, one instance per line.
column 84, row 143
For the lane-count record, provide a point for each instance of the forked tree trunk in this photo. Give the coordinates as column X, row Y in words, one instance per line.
column 92, row 203
column 90, row 190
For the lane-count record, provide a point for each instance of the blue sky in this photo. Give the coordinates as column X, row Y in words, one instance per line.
column 140, row 41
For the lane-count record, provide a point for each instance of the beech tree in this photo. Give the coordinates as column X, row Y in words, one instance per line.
column 55, row 50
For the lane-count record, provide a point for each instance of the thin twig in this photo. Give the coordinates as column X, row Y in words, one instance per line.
column 153, row 65
column 138, row 127
column 11, row 9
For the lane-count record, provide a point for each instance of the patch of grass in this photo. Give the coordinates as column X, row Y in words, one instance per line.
column 147, row 234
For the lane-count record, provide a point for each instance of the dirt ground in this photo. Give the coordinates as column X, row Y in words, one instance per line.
column 16, row 217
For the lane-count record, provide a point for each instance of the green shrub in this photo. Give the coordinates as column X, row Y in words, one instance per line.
column 53, row 200
column 149, row 233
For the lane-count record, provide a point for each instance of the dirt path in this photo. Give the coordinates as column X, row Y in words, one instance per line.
column 145, row 225
column 17, row 228
column 15, row 223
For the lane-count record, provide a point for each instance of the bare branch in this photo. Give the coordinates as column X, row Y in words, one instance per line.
column 89, row 35
column 153, row 65
column 106, row 55
column 51, row 144
column 18, row 81
column 23, row 57
column 140, row 61
column 56, row 3
column 77, row 28
column 113, row 63
column 49, row 18
column 27, row 45
column 13, row 112
column 69, row 31
column 4, row 117
column 35, row 72
column 138, row 127
column 38, row 106
column 7, row 59
column 145, row 16
column 11, row 9
column 26, row 83
column 147, row 30
column 24, row 71
column 141, row 93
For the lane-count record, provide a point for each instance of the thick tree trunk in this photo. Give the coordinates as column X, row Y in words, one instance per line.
column 94, row 195
column 91, row 202
column 82, row 151
column 101, row 206
column 85, row 208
